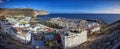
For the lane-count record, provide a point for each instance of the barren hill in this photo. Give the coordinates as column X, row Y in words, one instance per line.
column 21, row 11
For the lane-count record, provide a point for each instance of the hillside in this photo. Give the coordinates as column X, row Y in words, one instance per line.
column 21, row 11
column 107, row 39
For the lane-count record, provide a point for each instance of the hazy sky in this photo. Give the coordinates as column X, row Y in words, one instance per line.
column 66, row 6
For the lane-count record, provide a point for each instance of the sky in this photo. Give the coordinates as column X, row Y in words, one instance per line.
column 66, row 6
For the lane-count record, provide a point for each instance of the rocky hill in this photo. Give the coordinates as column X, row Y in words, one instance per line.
column 40, row 12
column 21, row 11
column 105, row 40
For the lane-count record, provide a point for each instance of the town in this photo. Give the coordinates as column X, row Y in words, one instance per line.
column 28, row 31
column 54, row 33
column 59, row 24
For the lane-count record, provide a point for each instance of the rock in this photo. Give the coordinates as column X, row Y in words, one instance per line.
column 1, row 37
column 109, row 47
column 116, row 45
column 115, row 41
column 118, row 39
column 40, row 12
column 108, row 43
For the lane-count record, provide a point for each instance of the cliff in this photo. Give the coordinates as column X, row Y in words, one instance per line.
column 21, row 11
column 40, row 12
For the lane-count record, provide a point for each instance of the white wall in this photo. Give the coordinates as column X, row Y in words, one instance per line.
column 23, row 39
column 74, row 40
column 96, row 29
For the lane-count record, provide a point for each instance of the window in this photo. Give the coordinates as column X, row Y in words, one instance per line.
column 6, row 33
column 7, row 29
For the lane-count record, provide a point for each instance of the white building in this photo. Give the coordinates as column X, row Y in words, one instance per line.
column 3, row 22
column 4, row 27
column 23, row 37
column 94, row 27
column 12, row 20
column 73, row 39
column 18, row 24
column 97, row 28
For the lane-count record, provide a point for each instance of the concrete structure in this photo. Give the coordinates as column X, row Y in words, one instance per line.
column 97, row 28
column 94, row 27
column 23, row 37
column 4, row 27
column 3, row 22
column 73, row 39
column 7, row 29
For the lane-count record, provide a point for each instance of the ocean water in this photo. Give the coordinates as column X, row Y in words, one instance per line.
column 108, row 18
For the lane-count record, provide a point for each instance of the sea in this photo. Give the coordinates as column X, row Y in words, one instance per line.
column 108, row 18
